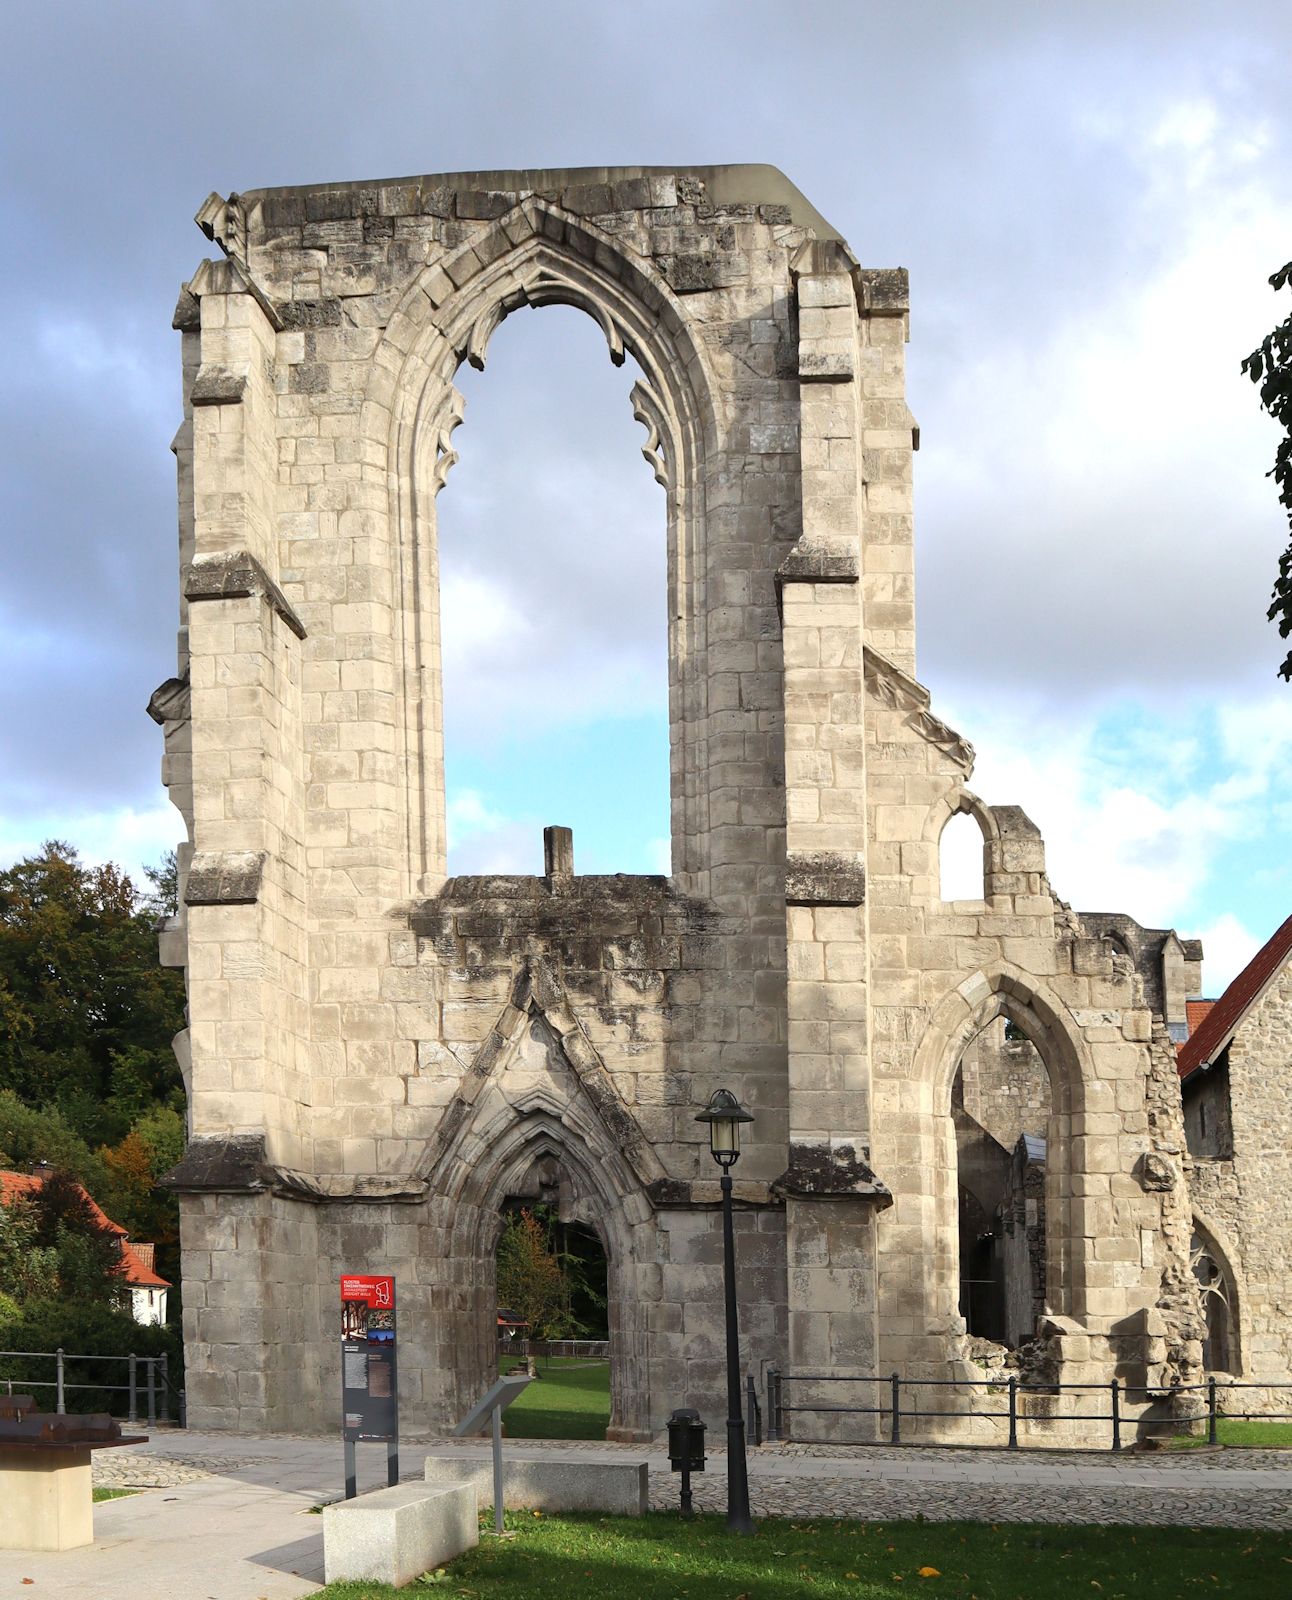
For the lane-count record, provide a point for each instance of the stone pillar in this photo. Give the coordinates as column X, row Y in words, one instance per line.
column 829, row 1235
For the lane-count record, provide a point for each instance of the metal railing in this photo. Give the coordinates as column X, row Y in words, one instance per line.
column 148, row 1384
column 1009, row 1413
column 579, row 1349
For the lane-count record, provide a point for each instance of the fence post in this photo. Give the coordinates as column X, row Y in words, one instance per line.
column 754, row 1427
column 152, row 1390
column 772, row 1434
column 1115, row 1390
column 58, row 1380
column 165, row 1386
column 132, row 1415
column 897, row 1412
column 1013, row 1412
column 1211, row 1410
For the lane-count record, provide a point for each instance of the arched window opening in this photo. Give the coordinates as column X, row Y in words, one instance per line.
column 553, row 610
column 1001, row 1107
column 960, row 859
column 1219, row 1345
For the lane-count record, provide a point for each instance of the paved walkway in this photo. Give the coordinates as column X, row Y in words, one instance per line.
column 228, row 1517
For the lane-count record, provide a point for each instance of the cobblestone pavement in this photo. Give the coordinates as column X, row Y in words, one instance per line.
column 873, row 1500
column 1220, row 1488
column 122, row 1469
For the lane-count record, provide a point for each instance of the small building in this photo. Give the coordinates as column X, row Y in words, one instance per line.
column 138, row 1260
column 1236, row 1085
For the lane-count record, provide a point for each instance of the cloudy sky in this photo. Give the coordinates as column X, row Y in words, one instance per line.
column 1090, row 198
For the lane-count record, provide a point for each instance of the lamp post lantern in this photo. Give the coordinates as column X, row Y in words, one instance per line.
column 724, row 1115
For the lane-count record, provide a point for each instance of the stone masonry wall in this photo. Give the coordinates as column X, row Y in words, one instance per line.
column 1245, row 1203
column 382, row 1056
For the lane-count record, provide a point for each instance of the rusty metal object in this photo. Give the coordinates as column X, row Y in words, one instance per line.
column 22, row 1427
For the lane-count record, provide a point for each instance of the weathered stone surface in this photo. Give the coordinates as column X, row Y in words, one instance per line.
column 224, row 878
column 825, row 878
column 383, row 1057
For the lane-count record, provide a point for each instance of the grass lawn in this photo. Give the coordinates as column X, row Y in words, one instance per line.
column 1232, row 1431
column 571, row 1400
column 660, row 1557
column 112, row 1494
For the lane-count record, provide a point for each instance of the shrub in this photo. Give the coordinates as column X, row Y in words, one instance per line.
column 84, row 1332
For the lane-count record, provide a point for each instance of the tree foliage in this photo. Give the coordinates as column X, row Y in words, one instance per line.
column 1270, row 367
column 86, row 1012
column 54, row 1247
column 554, row 1288
column 90, row 1081
column 84, row 1330
column 29, row 1135
column 529, row 1275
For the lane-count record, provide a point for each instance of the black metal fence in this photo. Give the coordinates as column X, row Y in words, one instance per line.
column 147, row 1387
column 899, row 1401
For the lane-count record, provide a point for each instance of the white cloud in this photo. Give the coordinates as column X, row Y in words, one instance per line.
column 482, row 839
column 1229, row 946
column 1130, row 830
column 1095, row 488
column 132, row 838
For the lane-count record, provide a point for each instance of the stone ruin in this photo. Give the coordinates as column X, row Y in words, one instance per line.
column 379, row 1057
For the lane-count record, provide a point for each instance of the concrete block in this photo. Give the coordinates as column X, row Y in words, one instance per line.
column 46, row 1498
column 559, row 1481
column 394, row 1535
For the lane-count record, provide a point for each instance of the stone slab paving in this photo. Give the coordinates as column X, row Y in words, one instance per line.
column 227, row 1517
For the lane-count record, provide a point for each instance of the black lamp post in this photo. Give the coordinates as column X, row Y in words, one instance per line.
column 724, row 1114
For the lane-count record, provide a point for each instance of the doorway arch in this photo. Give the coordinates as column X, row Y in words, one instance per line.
column 596, row 1190
column 955, row 1023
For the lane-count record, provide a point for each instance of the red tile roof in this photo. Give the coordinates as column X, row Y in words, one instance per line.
column 13, row 1184
column 137, row 1271
column 1195, row 1014
column 1222, row 1020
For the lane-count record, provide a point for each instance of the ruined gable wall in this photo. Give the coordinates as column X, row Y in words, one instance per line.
column 1249, row 1200
column 940, row 971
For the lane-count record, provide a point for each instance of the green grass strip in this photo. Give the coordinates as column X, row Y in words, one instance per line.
column 660, row 1557
column 1241, row 1435
column 570, row 1400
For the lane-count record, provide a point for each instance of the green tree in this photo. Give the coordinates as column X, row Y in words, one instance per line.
column 88, row 1254
column 86, row 1012
column 1270, row 366
column 28, row 1270
column 162, row 899
column 551, row 1274
column 29, row 1136
column 530, row 1281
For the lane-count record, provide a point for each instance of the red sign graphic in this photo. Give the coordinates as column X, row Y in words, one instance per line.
column 373, row 1291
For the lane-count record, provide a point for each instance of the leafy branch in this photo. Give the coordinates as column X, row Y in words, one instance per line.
column 1270, row 367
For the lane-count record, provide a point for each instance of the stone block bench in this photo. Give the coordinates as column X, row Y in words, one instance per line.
column 394, row 1535
column 558, row 1480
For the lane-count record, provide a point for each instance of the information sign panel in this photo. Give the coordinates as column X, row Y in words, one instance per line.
column 369, row 1387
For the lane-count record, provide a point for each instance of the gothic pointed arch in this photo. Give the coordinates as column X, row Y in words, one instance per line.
column 1213, row 1261
column 537, row 255
column 955, row 1022
column 502, row 1129
column 593, row 1114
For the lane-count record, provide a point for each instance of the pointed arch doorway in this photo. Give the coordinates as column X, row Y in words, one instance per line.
column 539, row 1115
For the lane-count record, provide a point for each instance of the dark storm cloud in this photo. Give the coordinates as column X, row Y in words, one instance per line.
column 1002, row 152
